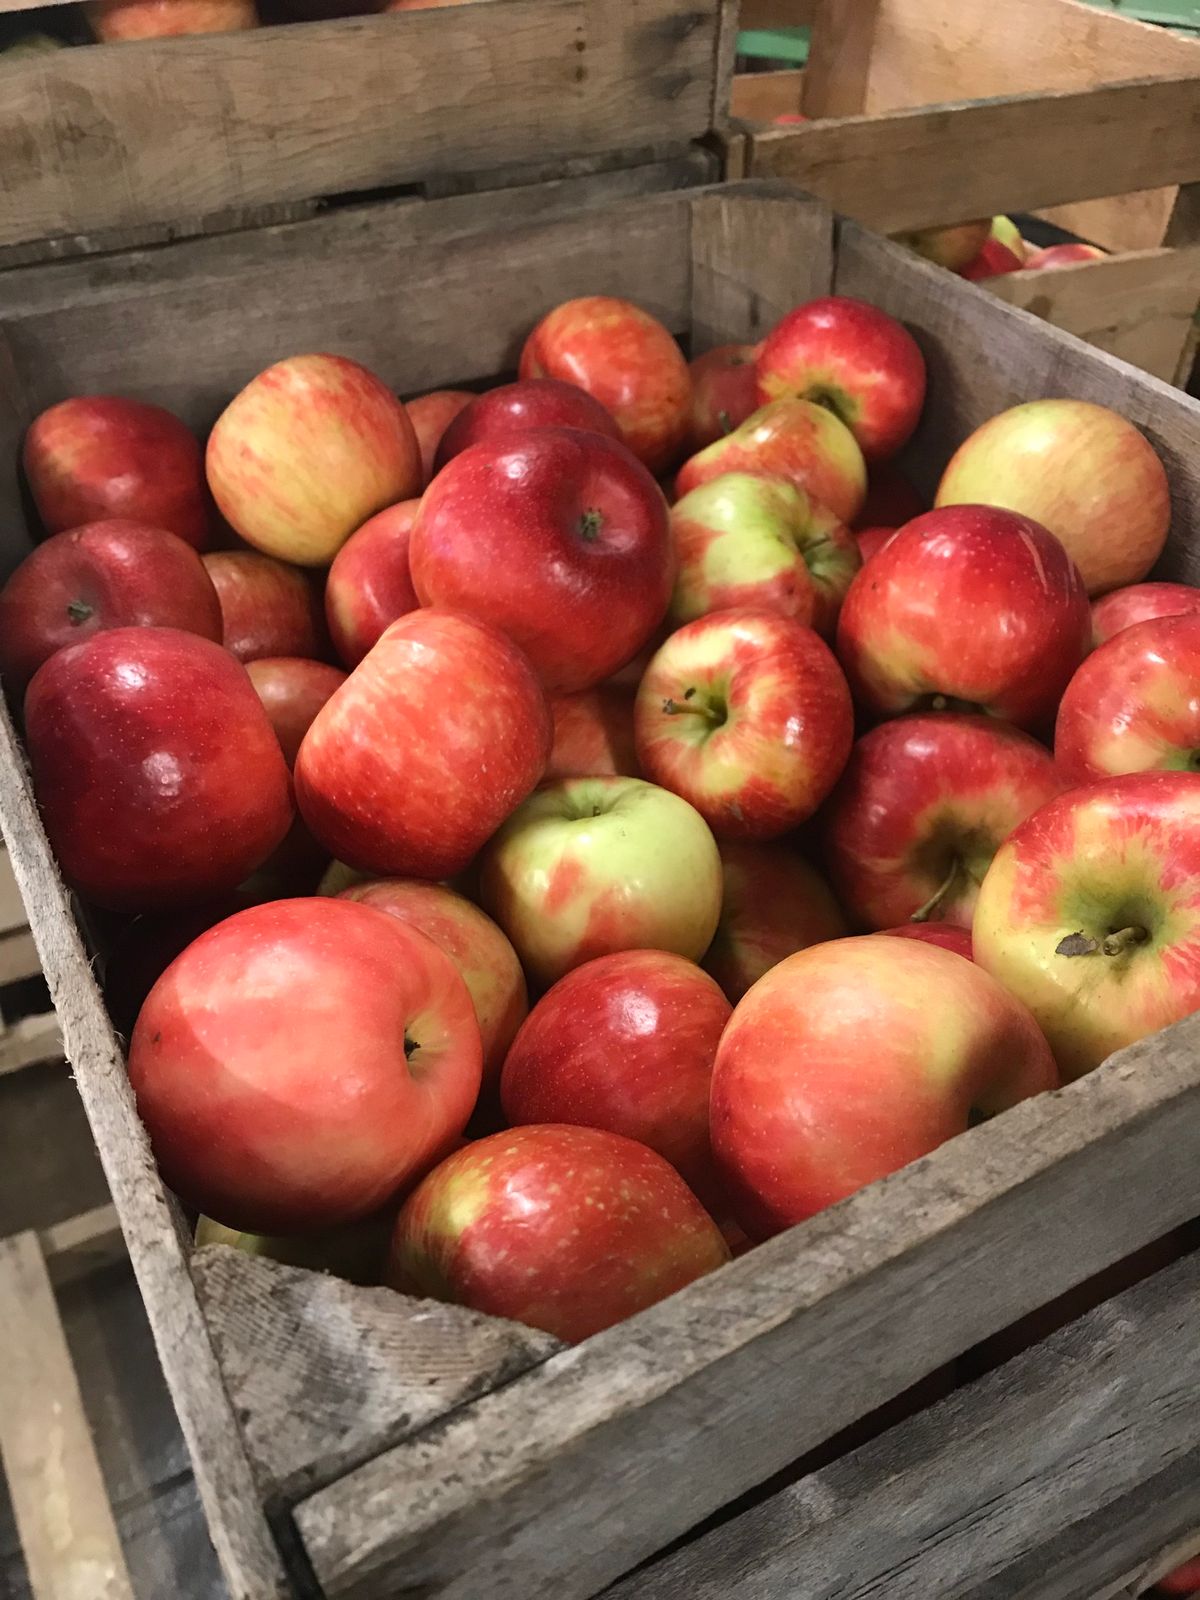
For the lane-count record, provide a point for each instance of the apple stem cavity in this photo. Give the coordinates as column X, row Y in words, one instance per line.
column 1113, row 944
column 591, row 525
column 925, row 913
column 78, row 612
column 1124, row 939
column 714, row 714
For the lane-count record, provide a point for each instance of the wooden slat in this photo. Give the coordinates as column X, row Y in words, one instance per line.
column 29, row 1041
column 82, row 1244
column 12, row 909
column 840, row 57
column 763, row 96
column 18, row 957
column 767, row 14
column 63, row 1516
column 32, row 5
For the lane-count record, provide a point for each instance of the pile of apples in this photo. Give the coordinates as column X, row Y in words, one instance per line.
column 112, row 21
column 992, row 248
column 810, row 846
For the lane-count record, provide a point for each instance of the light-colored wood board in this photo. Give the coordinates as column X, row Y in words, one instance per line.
column 83, row 1244
column 1139, row 307
column 127, row 135
column 763, row 96
column 975, row 158
column 58, row 1495
column 18, row 957
column 840, row 57
column 790, row 243
column 951, row 1501
column 557, row 1484
column 12, row 907
column 768, row 14
column 28, row 1041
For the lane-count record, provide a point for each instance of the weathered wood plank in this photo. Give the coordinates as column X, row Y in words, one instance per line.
column 840, row 57
column 763, row 96
column 18, row 957
column 791, row 246
column 82, row 1244
column 29, row 1041
column 778, row 13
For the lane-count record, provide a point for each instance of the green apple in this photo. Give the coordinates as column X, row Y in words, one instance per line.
column 1006, row 232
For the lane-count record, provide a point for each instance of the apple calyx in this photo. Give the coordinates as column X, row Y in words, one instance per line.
column 591, row 525
column 78, row 612
column 1113, row 944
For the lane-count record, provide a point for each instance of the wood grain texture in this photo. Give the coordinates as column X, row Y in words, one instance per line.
column 763, row 96
column 121, row 136
column 790, row 241
column 968, row 1498
column 840, row 57
column 779, row 13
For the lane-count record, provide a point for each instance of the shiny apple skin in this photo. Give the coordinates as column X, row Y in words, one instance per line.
column 748, row 717
column 369, row 584
column 431, row 414
column 871, row 541
column 1111, row 855
column 773, row 903
column 994, row 260
column 268, row 608
column 292, row 690
column 560, row 539
column 114, row 574
column 159, row 778
column 271, row 1066
column 724, row 392
column 1134, row 704
column 515, row 408
column 96, row 457
column 855, row 359
column 1139, row 602
column 593, row 734
column 566, row 1229
column 624, row 358
column 949, row 247
column 944, row 934
column 482, row 955
column 428, row 746
column 791, row 439
column 1080, row 470
column 306, row 452
column 1062, row 255
column 969, row 603
column 854, row 1058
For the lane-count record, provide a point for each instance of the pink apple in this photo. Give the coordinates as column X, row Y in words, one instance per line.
column 1062, row 255
column 425, row 749
column 1139, row 603
column 944, row 934
column 967, row 607
column 302, row 1062
column 850, row 1060
column 292, row 690
column 949, row 247
column 369, row 584
column 114, row 20
column 514, row 408
column 1080, row 470
column 724, row 392
column 920, row 811
column 430, row 415
column 1005, row 231
column 993, row 261
column 267, row 607
column 593, row 734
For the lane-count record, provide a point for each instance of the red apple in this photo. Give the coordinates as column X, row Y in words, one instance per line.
column 431, row 414
column 369, row 584
column 850, row 1060
column 588, row 866
column 565, row 1229
column 292, row 690
column 593, row 734
column 98, row 457
column 138, row 952
column 113, row 20
column 949, row 247
column 891, row 499
column 855, row 360
column 1062, row 255
column 1139, row 603
column 482, row 955
column 302, row 1062
column 789, row 118
column 267, row 607
column 944, row 934
column 159, row 778
column 745, row 541
column 1005, row 231
column 871, row 541
column 971, row 607
column 724, row 392
column 502, row 414
column 1090, row 914
column 627, row 361
column 1080, row 470
column 423, row 5
column 558, row 538
column 425, row 749
column 791, row 439
column 993, row 261
column 626, row 1043
column 747, row 716
column 308, row 451
column 1182, row 1580
column 920, row 811
column 772, row 904
column 113, row 574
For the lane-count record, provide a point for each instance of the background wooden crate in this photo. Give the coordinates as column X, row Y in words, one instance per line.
column 389, row 1446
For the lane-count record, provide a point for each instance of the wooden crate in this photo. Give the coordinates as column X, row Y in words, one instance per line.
column 357, row 1445
column 934, row 111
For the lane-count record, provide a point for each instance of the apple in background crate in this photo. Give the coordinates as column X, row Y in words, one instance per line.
column 113, row 20
column 593, row 734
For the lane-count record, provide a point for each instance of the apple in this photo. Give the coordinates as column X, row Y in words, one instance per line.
column 483, row 957
column 357, row 1251
column 140, row 949
column 423, row 5
column 565, row 1229
column 1181, row 1580
column 557, row 537
column 308, row 451
column 1139, row 603
column 515, row 408
column 113, row 20
column 97, row 457
column 588, row 866
column 114, row 574
column 792, row 439
column 993, row 261
column 748, row 717
column 1134, row 704
column 949, row 247
column 593, row 734
column 891, row 499
column 1080, row 470
column 431, row 414
column 1087, row 914
column 944, row 934
column 772, row 904
column 724, row 392
column 967, row 607
column 1005, row 231
column 369, row 584
column 267, row 607
column 292, row 690
column 626, row 1043
column 158, row 776
column 302, row 1062
column 871, row 541
column 861, row 364
column 625, row 359
column 921, row 808
column 851, row 1059
column 425, row 749
column 787, row 119
column 742, row 540
column 1062, row 255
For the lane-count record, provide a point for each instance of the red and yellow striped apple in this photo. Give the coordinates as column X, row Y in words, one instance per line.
column 114, row 20
column 369, row 584
column 268, row 608
column 1139, row 602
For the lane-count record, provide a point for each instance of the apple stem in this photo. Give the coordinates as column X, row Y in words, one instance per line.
column 1113, row 944
column 78, row 611
column 700, row 708
column 1124, row 939
column 923, row 913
